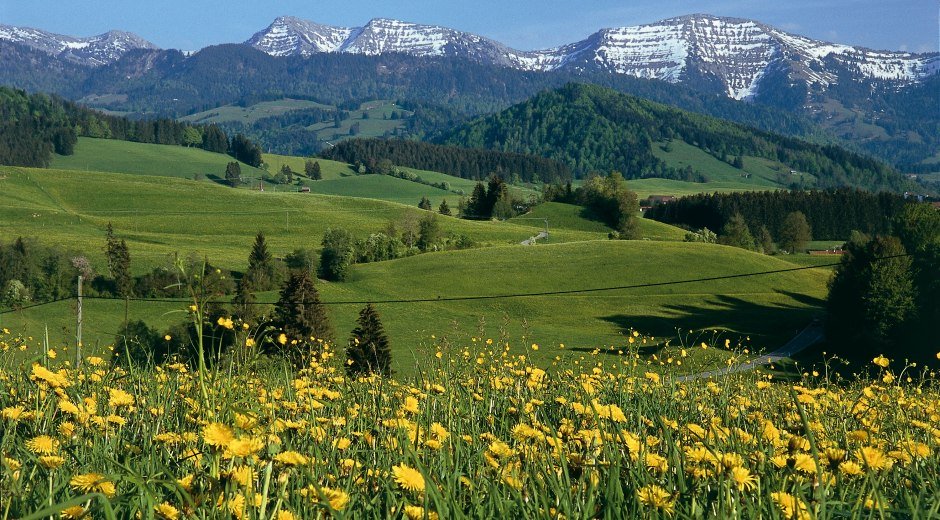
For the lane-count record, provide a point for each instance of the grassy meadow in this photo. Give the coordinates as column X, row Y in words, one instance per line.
column 373, row 117
column 722, row 177
column 109, row 155
column 527, row 381
column 476, row 433
column 161, row 216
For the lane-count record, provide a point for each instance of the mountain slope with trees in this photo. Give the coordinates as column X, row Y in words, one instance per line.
column 592, row 128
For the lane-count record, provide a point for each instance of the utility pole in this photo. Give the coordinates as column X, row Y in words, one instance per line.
column 78, row 328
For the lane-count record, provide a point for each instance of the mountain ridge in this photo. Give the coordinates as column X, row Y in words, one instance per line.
column 92, row 51
column 736, row 51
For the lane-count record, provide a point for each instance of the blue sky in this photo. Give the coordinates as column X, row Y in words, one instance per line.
column 192, row 24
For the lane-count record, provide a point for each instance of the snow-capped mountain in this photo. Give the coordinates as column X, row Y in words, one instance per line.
column 290, row 36
column 93, row 51
column 734, row 52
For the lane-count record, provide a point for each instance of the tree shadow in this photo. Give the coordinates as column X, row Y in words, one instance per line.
column 217, row 179
column 768, row 324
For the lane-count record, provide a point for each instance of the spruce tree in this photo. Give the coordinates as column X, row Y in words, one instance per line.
column 301, row 316
column 425, row 204
column 368, row 351
column 122, row 270
column 111, row 249
column 243, row 303
column 261, row 272
column 444, row 209
column 312, row 170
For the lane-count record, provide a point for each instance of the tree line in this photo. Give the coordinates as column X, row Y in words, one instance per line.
column 461, row 162
column 605, row 198
column 833, row 214
column 34, row 126
column 884, row 297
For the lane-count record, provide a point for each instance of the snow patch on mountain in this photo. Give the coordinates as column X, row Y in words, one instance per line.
column 92, row 51
column 290, row 36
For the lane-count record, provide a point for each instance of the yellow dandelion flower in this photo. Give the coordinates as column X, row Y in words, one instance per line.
column 408, row 478
column 850, row 469
column 657, row 463
column 93, row 483
column 419, row 513
column 53, row 379
column 790, row 506
column 118, row 397
column 73, row 513
column 881, row 361
column 166, row 511
column 12, row 413
column 804, row 463
column 186, row 482
column 742, row 478
column 291, row 458
column 218, row 435
column 43, row 445
column 243, row 447
column 282, row 339
column 244, row 475
column 655, row 496
column 410, row 405
column 337, row 498
column 51, row 461
column 873, row 458
column 285, row 515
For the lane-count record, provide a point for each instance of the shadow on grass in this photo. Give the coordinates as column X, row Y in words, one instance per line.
column 769, row 325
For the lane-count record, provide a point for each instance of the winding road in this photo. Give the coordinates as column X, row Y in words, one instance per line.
column 808, row 337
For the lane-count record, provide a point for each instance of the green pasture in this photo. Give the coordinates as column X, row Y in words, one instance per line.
column 110, row 155
column 767, row 309
column 250, row 114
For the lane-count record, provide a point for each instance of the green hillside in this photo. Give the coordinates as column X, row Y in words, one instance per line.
column 594, row 129
column 251, row 113
column 561, row 216
column 160, row 216
column 766, row 308
column 109, row 155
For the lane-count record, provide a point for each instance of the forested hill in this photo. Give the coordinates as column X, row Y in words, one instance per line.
column 592, row 128
column 453, row 160
column 34, row 126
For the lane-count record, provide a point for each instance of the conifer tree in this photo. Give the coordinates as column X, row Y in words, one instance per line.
column 312, row 169
column 301, row 316
column 243, row 303
column 444, row 209
column 122, row 270
column 261, row 272
column 368, row 350
column 110, row 249
column 425, row 204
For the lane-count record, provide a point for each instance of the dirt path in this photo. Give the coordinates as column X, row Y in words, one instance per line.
column 808, row 337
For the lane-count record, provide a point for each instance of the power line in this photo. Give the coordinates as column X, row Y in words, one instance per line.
column 50, row 302
column 487, row 296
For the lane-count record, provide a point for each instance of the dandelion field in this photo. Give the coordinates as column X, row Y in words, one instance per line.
column 477, row 433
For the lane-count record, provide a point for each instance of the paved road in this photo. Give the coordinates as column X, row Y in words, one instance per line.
column 808, row 337
column 531, row 241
